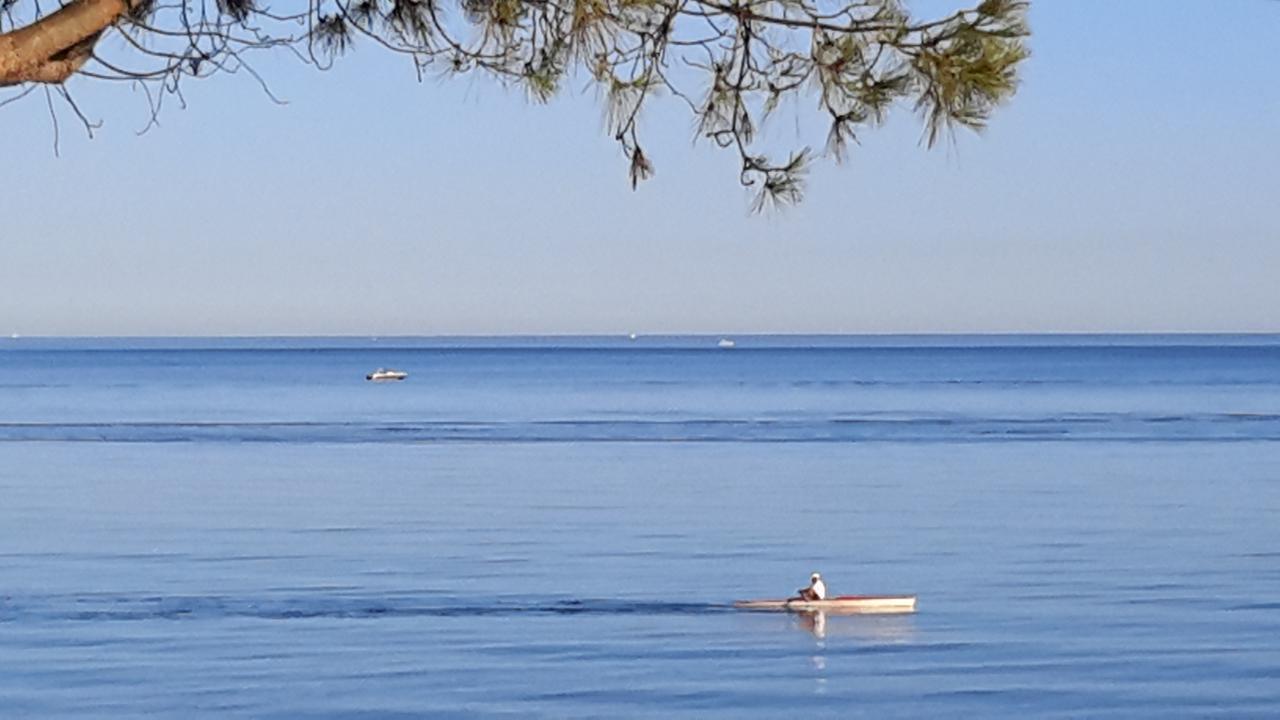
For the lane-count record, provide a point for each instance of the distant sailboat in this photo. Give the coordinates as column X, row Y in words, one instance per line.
column 632, row 336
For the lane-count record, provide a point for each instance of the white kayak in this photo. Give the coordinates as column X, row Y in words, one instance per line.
column 847, row 604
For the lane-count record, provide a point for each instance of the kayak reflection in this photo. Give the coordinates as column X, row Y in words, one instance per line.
column 884, row 629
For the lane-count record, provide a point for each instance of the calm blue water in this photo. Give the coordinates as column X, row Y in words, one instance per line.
column 555, row 527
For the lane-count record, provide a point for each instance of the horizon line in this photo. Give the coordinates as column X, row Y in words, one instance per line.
column 638, row 335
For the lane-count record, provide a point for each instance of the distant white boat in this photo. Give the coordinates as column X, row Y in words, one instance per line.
column 632, row 336
column 383, row 374
column 725, row 343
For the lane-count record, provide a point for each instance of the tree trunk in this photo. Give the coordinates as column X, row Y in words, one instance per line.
column 54, row 47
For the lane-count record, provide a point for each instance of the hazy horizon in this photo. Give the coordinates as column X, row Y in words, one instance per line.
column 944, row 337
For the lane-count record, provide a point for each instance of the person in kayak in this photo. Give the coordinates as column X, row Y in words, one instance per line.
column 817, row 589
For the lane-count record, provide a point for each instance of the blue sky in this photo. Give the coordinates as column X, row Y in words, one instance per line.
column 1129, row 187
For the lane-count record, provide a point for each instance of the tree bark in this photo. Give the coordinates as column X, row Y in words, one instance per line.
column 54, row 47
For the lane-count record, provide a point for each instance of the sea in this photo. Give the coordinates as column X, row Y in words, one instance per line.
column 557, row 527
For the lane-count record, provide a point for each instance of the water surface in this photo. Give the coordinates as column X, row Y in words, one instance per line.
column 554, row 527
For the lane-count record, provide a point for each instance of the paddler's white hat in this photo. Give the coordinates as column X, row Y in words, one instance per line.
column 816, row 575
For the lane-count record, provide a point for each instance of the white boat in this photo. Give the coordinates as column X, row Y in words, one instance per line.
column 839, row 605
column 383, row 374
column 725, row 343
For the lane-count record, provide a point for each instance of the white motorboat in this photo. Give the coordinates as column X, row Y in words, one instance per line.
column 383, row 374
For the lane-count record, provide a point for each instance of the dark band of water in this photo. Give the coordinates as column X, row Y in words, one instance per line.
column 1100, row 426
column 153, row 607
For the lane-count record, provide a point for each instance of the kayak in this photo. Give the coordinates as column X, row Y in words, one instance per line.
column 849, row 604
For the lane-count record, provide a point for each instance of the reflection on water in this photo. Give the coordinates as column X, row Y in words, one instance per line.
column 815, row 622
column 877, row 629
column 881, row 629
